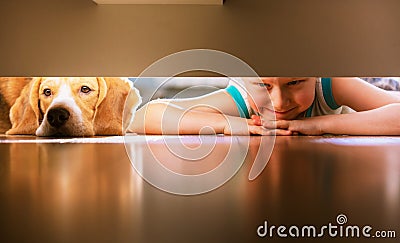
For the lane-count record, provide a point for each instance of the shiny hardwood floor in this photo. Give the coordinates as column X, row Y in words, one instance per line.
column 73, row 190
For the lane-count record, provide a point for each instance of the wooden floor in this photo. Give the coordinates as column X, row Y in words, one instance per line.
column 92, row 190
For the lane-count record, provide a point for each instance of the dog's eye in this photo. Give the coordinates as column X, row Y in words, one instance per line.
column 85, row 89
column 47, row 92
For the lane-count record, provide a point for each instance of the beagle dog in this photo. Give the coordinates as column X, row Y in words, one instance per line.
column 67, row 106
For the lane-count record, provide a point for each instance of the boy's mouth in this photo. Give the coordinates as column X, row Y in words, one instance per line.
column 280, row 114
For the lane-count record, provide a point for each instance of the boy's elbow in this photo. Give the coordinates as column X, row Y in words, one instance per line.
column 148, row 118
column 393, row 122
column 395, row 130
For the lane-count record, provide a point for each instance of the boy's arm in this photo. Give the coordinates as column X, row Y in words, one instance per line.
column 378, row 109
column 209, row 114
column 164, row 118
column 217, row 101
column 378, row 112
column 360, row 95
column 379, row 121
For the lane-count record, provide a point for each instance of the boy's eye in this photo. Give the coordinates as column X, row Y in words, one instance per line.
column 295, row 82
column 264, row 85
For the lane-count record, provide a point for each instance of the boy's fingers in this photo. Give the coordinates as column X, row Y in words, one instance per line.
column 251, row 122
column 269, row 124
column 259, row 130
column 256, row 120
column 282, row 132
column 280, row 124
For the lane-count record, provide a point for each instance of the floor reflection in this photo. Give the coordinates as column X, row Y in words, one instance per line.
column 190, row 165
column 65, row 186
column 95, row 191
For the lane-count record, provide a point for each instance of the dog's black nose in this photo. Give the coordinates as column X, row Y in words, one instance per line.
column 57, row 117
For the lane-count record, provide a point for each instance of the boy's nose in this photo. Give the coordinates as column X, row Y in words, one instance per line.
column 279, row 99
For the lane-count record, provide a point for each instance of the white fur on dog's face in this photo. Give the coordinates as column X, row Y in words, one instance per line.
column 71, row 94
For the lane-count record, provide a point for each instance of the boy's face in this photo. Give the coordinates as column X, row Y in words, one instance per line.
column 289, row 97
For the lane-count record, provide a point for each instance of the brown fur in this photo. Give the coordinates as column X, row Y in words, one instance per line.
column 10, row 90
column 102, row 113
column 112, row 106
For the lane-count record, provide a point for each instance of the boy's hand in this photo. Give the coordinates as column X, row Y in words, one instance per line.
column 256, row 128
column 237, row 126
column 285, row 127
column 307, row 126
column 240, row 126
column 256, row 120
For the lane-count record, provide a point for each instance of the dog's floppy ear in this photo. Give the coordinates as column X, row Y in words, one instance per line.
column 25, row 113
column 118, row 101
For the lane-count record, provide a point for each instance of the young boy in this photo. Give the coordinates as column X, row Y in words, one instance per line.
column 276, row 105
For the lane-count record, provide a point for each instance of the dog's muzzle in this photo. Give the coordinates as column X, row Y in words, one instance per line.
column 57, row 117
